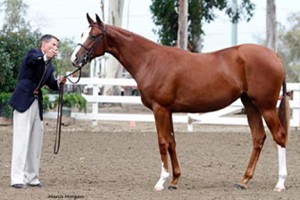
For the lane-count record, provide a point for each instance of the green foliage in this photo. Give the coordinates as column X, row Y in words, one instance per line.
column 289, row 47
column 244, row 10
column 5, row 109
column 7, row 67
column 13, row 47
column 73, row 100
column 165, row 16
column 16, row 38
column 47, row 104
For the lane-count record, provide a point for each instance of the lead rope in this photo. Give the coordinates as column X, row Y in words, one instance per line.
column 36, row 90
column 59, row 118
column 59, row 110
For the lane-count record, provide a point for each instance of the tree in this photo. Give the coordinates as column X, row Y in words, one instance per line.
column 12, row 50
column 14, row 21
column 165, row 17
column 7, row 67
column 15, row 39
column 12, row 47
column 289, row 47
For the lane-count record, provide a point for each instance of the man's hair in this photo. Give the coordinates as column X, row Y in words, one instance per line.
column 47, row 38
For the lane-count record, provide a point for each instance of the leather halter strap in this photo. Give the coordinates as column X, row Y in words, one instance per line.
column 88, row 56
column 90, row 51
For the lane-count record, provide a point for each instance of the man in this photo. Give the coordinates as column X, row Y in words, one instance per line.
column 27, row 101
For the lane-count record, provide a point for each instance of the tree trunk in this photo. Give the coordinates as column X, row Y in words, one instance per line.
column 234, row 25
column 271, row 24
column 196, row 45
column 182, row 36
column 113, row 67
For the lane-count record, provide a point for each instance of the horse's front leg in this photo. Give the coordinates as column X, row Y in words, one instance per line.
column 173, row 156
column 166, row 142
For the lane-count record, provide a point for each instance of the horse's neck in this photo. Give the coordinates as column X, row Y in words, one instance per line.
column 128, row 48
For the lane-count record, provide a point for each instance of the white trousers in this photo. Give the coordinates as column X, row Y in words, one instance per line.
column 28, row 131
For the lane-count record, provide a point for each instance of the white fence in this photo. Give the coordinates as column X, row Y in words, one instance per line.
column 216, row 117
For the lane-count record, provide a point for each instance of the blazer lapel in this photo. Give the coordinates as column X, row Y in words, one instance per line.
column 48, row 73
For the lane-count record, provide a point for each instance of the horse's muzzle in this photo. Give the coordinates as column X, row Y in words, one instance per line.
column 80, row 62
column 77, row 64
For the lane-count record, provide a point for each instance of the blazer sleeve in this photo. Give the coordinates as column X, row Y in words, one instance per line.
column 51, row 82
column 35, row 58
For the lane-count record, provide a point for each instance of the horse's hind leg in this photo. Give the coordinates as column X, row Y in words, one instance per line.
column 280, row 137
column 258, row 137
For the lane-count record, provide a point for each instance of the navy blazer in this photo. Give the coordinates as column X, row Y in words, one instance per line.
column 30, row 74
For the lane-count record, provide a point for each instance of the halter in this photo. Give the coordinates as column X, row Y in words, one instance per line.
column 87, row 58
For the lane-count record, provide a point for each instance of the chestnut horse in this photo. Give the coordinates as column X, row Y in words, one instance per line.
column 173, row 80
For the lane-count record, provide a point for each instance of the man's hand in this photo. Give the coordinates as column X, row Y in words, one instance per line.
column 61, row 80
column 51, row 53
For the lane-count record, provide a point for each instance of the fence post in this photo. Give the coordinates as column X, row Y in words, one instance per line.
column 95, row 104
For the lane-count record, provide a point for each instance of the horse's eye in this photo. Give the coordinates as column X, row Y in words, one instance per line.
column 93, row 37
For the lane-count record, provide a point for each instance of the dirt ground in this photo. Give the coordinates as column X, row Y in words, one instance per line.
column 112, row 160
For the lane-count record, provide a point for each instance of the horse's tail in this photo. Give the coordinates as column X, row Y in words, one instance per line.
column 284, row 111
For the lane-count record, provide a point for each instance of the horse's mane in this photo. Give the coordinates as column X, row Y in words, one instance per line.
column 134, row 36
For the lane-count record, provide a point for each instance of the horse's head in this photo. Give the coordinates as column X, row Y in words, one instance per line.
column 92, row 43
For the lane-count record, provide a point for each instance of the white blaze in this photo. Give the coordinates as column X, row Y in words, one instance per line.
column 84, row 37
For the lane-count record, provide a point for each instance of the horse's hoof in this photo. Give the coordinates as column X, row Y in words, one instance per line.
column 159, row 188
column 240, row 187
column 279, row 189
column 172, row 187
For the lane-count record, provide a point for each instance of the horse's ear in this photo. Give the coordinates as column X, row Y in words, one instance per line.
column 98, row 20
column 89, row 19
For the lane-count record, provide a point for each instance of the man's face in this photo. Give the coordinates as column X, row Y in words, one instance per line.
column 51, row 45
